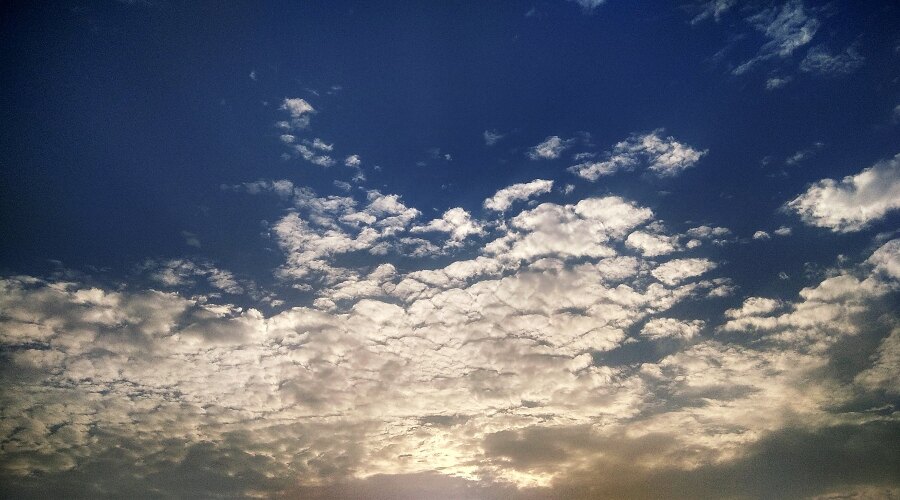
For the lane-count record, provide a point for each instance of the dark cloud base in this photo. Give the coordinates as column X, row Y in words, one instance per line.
column 790, row 463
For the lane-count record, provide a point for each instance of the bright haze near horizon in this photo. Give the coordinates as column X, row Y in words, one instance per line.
column 533, row 249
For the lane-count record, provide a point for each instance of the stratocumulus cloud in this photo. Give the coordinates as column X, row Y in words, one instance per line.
column 855, row 201
column 448, row 253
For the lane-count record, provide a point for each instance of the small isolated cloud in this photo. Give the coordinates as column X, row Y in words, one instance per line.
column 191, row 239
column 803, row 154
column 352, row 161
column 776, row 82
column 713, row 9
column 761, row 235
column 854, row 202
column 662, row 328
column 589, row 5
column 664, row 156
column 253, row 75
column 491, row 137
column 550, row 149
column 504, row 198
column 783, row 231
column 819, row 61
column 297, row 107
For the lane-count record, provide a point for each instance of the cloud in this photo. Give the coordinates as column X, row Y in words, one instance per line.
column 887, row 259
column 661, row 328
column 550, row 149
column 181, row 273
column 491, row 137
column 762, row 235
column 504, row 198
column 488, row 375
column 787, row 28
column 854, row 202
column 589, row 5
column 676, row 271
column 455, row 221
column 714, row 9
column 754, row 306
column 352, row 161
column 569, row 231
column 320, row 145
column 818, row 60
column 776, row 82
column 652, row 245
column 665, row 157
column 297, row 107
column 191, row 239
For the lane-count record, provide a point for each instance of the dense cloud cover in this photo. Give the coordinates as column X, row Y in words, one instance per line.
column 531, row 311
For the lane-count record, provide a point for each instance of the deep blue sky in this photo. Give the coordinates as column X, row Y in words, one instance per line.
column 122, row 120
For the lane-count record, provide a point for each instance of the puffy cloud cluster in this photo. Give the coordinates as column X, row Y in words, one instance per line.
column 663, row 156
column 314, row 150
column 855, row 201
column 485, row 371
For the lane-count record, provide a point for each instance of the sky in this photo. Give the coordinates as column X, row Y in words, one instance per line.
column 462, row 250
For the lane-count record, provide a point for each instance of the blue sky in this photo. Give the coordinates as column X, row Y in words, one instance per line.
column 470, row 250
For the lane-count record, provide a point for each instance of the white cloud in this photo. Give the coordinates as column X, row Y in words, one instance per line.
column 783, row 231
column 589, row 5
column 569, row 231
column 665, row 157
column 761, row 235
column 297, row 107
column 678, row 270
column 887, row 258
column 550, row 149
column 191, row 239
column 714, row 9
column 181, row 273
column 661, row 328
column 321, row 145
column 310, row 156
column 461, row 368
column 455, row 221
column 352, row 161
column 754, row 306
column 818, row 60
column 787, row 28
column 854, row 202
column 776, row 82
column 504, row 198
column 652, row 245
column 491, row 137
